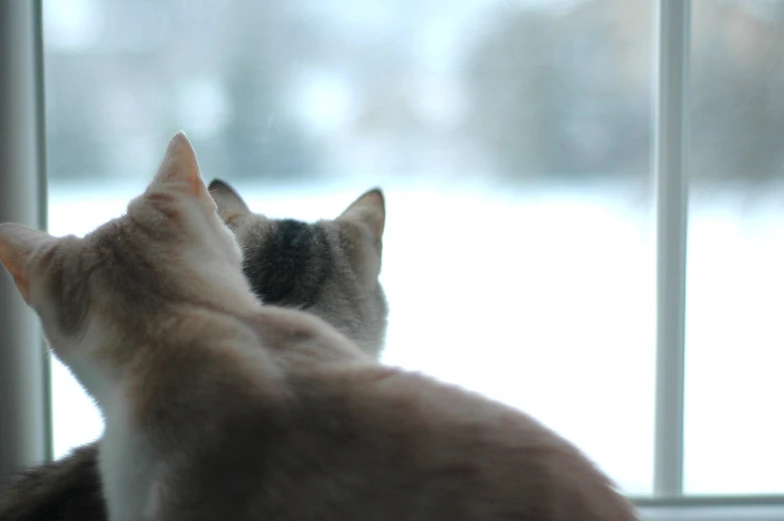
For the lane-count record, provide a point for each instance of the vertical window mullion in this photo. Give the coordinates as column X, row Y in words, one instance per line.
column 24, row 375
column 671, row 148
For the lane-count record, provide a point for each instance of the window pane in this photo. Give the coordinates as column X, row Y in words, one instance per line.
column 512, row 140
column 735, row 291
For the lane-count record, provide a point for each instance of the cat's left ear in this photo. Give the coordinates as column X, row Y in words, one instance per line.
column 179, row 169
column 227, row 199
column 368, row 209
column 18, row 245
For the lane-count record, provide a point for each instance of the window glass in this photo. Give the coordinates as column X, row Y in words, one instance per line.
column 735, row 280
column 512, row 140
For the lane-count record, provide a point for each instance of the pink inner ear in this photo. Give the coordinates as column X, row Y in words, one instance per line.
column 12, row 262
column 22, row 285
column 180, row 166
column 197, row 185
column 185, row 178
column 17, row 247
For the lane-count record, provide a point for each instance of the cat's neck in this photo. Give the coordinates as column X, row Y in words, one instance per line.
column 151, row 336
column 202, row 328
column 222, row 290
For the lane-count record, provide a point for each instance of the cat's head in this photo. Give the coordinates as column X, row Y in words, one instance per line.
column 329, row 268
column 169, row 247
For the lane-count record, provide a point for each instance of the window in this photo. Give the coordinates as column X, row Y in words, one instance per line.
column 514, row 142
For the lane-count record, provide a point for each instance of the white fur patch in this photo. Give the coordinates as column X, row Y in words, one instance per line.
column 128, row 465
column 76, row 354
column 125, row 459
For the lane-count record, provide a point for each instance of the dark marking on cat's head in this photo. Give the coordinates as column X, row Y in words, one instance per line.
column 291, row 265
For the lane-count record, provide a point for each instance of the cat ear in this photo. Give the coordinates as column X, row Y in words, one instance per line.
column 368, row 209
column 227, row 199
column 179, row 169
column 18, row 245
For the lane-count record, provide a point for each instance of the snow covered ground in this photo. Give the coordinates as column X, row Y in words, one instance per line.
column 546, row 301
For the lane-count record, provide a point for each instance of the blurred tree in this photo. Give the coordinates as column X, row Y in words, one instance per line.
column 737, row 81
column 548, row 97
column 261, row 141
column 117, row 97
column 517, row 94
column 552, row 94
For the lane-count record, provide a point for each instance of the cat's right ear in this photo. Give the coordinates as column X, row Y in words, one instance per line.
column 369, row 209
column 18, row 246
column 228, row 200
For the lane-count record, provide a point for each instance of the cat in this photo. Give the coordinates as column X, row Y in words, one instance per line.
column 325, row 268
column 318, row 267
column 220, row 407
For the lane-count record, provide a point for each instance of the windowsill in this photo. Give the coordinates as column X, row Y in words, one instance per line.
column 712, row 509
column 718, row 513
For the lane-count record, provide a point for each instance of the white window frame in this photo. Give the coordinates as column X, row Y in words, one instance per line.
column 25, row 410
column 25, row 419
column 670, row 153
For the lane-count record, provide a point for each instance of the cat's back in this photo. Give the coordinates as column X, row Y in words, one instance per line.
column 372, row 442
column 375, row 442
column 348, row 439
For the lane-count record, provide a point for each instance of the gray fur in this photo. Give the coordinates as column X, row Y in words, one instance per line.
column 329, row 268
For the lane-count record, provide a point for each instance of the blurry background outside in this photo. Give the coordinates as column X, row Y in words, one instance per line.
column 513, row 140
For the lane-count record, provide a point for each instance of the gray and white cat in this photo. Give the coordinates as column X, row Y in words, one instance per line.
column 320, row 267
column 328, row 268
column 219, row 407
